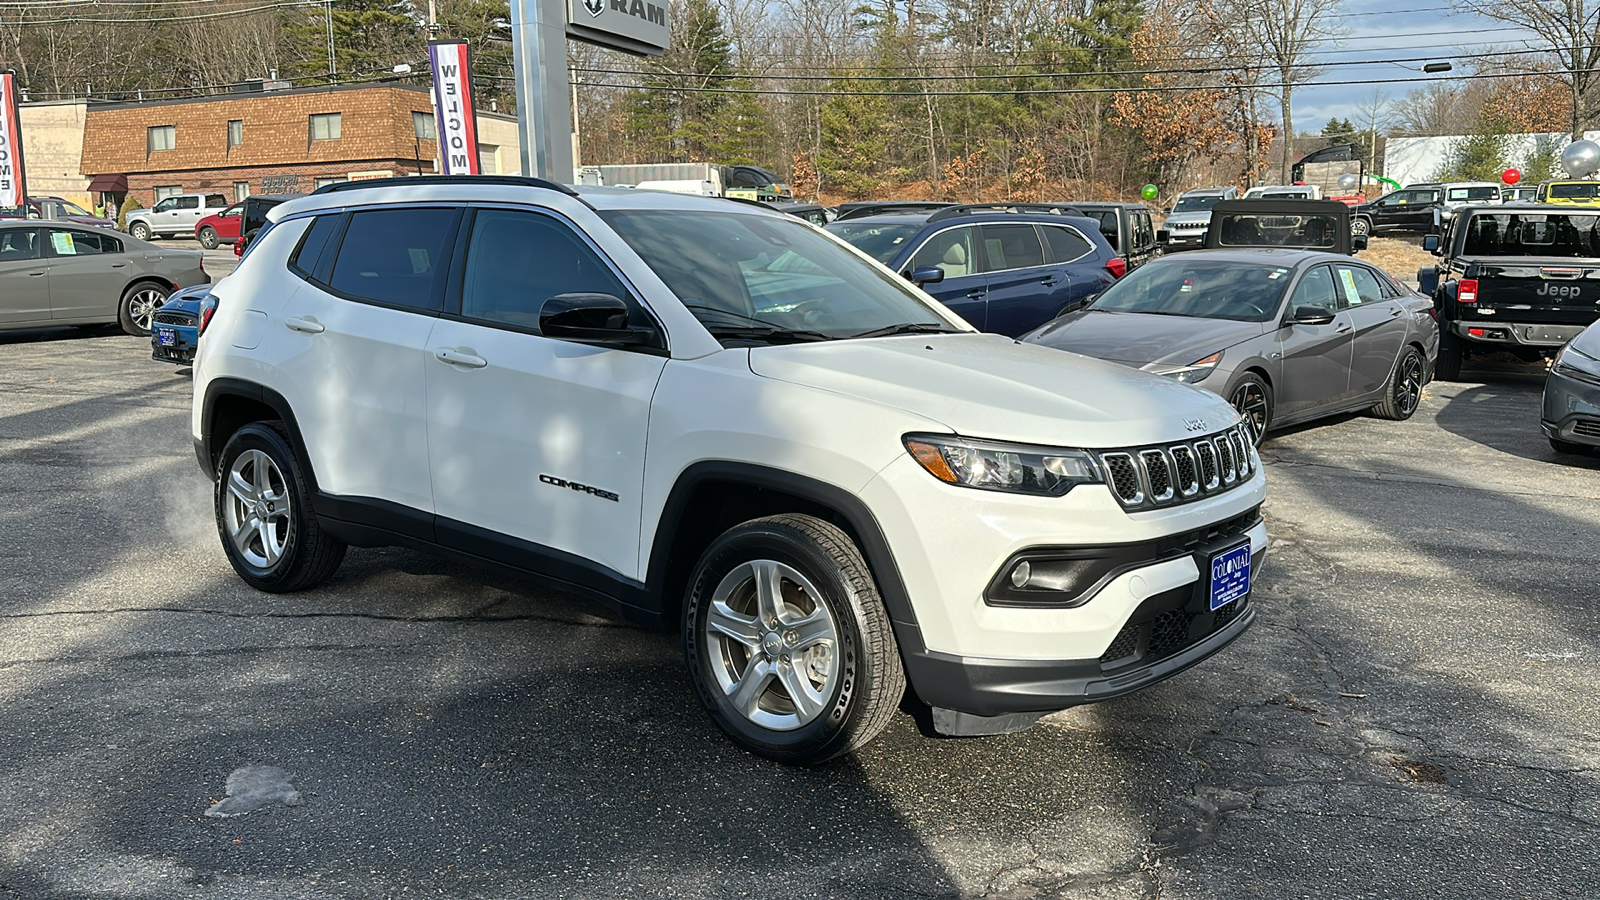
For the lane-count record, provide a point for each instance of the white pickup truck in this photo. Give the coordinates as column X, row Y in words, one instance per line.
column 174, row 215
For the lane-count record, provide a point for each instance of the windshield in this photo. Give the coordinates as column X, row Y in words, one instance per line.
column 1196, row 204
column 1583, row 190
column 1202, row 288
column 1524, row 234
column 1471, row 194
column 749, row 273
column 876, row 239
column 73, row 209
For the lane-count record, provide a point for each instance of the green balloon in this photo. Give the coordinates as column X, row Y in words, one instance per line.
column 1150, row 192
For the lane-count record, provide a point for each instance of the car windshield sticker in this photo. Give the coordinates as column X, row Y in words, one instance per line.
column 1277, row 273
column 63, row 243
column 1351, row 295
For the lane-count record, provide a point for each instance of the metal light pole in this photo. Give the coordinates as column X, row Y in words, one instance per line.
column 544, row 112
column 333, row 63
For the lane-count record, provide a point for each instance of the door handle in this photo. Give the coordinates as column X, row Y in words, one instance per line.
column 35, row 274
column 118, row 265
column 305, row 324
column 1395, row 312
column 458, row 358
column 1343, row 329
column 976, row 295
column 1050, row 281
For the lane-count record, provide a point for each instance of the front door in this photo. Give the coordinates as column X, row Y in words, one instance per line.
column 24, row 282
column 964, row 289
column 1314, row 359
column 88, row 272
column 1379, row 323
column 533, row 438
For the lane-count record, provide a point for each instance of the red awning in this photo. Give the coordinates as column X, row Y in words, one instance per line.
column 109, row 184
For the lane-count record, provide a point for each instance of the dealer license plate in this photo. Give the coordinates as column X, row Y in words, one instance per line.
column 166, row 337
column 1230, row 575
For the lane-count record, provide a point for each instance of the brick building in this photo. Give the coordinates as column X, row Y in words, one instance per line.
column 285, row 141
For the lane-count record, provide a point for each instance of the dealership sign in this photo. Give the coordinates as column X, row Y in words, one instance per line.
column 639, row 27
column 13, row 184
column 454, row 117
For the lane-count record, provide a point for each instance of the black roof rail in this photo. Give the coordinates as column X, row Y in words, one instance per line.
column 963, row 209
column 855, row 209
column 422, row 181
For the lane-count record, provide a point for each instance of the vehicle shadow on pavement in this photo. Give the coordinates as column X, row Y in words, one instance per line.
column 1504, row 414
column 63, row 333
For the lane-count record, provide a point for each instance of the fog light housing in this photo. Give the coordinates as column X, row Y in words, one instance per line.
column 1020, row 574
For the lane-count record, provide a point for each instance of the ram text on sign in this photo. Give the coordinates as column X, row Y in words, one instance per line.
column 633, row 26
column 455, row 120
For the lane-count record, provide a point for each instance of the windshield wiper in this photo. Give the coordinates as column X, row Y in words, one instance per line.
column 769, row 334
column 908, row 328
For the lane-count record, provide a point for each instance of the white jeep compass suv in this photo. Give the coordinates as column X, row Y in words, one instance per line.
column 719, row 419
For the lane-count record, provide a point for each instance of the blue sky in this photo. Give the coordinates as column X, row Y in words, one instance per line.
column 1377, row 30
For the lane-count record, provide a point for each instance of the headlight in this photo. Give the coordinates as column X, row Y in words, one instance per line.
column 993, row 466
column 1195, row 371
column 1574, row 363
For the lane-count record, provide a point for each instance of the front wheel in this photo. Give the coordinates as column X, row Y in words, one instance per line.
column 1361, row 226
column 788, row 643
column 263, row 507
column 1252, row 397
column 139, row 231
column 208, row 238
column 139, row 305
column 1404, row 390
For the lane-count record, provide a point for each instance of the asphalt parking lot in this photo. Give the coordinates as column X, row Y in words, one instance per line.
column 1413, row 716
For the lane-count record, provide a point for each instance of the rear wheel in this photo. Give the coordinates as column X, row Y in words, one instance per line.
column 139, row 231
column 1404, row 390
column 139, row 305
column 264, row 517
column 1361, row 225
column 788, row 642
column 208, row 238
column 1252, row 397
column 1451, row 354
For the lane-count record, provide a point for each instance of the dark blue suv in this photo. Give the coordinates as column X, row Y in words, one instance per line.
column 1005, row 268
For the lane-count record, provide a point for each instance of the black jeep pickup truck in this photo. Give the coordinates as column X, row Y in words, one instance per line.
column 1522, row 278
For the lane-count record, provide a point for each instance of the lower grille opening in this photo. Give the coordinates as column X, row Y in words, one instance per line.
column 1166, row 634
column 1587, row 428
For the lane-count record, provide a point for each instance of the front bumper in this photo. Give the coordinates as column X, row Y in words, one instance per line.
column 1515, row 334
column 1190, row 240
column 181, row 351
column 1571, row 410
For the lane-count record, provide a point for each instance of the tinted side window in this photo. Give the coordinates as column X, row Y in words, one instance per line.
column 1067, row 245
column 1357, row 286
column 394, row 256
column 79, row 243
column 1315, row 289
column 516, row 261
column 1012, row 247
column 950, row 250
column 216, row 201
column 188, row 202
column 18, row 244
column 305, row 257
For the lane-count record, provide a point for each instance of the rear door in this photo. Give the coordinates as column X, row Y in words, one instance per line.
column 1024, row 290
column 964, row 288
column 1380, row 327
column 88, row 272
column 1079, row 262
column 1314, row 359
column 24, row 284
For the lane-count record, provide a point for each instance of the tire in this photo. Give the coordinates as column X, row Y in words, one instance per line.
column 850, row 681
column 262, row 495
column 1451, row 354
column 208, row 238
column 1252, row 397
column 1561, row 446
column 1361, row 225
column 139, row 231
column 139, row 304
column 1403, row 391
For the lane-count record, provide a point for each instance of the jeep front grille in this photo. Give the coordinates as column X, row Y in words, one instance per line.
column 1150, row 477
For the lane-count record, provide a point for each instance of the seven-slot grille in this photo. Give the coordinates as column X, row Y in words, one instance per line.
column 174, row 317
column 1586, row 427
column 1148, row 477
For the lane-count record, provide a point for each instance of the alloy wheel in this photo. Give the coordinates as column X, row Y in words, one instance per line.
column 1251, row 402
column 1360, row 226
column 1409, row 391
column 143, row 304
column 772, row 645
column 257, row 510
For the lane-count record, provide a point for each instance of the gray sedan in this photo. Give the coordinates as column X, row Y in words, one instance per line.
column 58, row 274
column 1571, row 418
column 1284, row 335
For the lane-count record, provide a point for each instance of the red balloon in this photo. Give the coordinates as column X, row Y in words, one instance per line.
column 1511, row 176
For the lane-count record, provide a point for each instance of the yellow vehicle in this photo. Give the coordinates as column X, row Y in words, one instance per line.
column 1570, row 193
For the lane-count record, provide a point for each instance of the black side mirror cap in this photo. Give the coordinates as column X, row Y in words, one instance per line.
column 1312, row 315
column 1431, row 243
column 1358, row 243
column 1163, row 235
column 922, row 275
column 600, row 318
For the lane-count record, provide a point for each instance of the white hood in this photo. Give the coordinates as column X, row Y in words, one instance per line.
column 988, row 386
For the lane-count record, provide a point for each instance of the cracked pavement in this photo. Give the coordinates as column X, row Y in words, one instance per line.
column 1414, row 714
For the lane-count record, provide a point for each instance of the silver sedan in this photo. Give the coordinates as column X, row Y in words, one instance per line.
column 1284, row 335
column 60, row 274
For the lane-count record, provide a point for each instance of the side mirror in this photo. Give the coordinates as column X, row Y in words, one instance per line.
column 1430, row 243
column 1166, row 210
column 1312, row 315
column 1163, row 235
column 922, row 275
column 601, row 318
column 1358, row 243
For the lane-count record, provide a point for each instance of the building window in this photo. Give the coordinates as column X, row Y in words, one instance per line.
column 163, row 191
column 324, row 182
column 489, row 159
column 235, row 133
column 422, row 124
column 325, row 127
column 241, row 190
column 161, row 137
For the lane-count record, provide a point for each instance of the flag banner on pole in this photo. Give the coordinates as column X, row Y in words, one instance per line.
column 454, row 118
column 13, row 183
